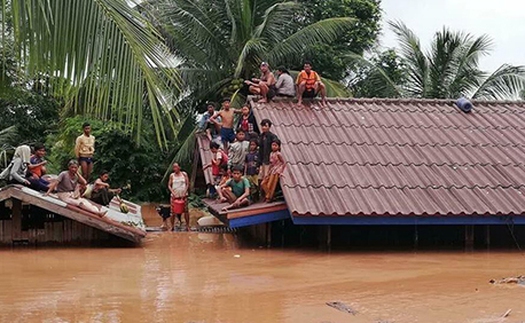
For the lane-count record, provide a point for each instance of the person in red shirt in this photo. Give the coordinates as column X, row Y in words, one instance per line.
column 309, row 85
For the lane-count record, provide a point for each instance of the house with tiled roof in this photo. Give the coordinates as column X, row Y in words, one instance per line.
column 394, row 162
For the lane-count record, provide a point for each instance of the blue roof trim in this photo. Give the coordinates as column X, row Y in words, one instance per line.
column 259, row 218
column 413, row 220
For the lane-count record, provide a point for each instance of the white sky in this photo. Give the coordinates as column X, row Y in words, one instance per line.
column 502, row 20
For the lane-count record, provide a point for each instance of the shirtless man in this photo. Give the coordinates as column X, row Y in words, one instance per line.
column 226, row 114
column 265, row 86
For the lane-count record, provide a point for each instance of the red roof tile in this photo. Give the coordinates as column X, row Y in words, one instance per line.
column 401, row 157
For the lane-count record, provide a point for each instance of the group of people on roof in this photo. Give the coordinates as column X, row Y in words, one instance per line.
column 28, row 167
column 246, row 162
column 307, row 85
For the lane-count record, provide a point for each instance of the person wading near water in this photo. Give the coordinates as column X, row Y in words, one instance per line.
column 84, row 150
column 67, row 187
column 179, row 186
column 265, row 85
column 309, row 85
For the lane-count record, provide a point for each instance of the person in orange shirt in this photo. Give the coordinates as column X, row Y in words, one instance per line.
column 309, row 85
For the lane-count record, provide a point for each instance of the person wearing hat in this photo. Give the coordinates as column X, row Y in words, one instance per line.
column 263, row 86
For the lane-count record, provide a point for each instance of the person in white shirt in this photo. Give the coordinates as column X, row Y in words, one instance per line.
column 285, row 84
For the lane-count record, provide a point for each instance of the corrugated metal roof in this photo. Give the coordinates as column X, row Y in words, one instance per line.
column 203, row 144
column 401, row 157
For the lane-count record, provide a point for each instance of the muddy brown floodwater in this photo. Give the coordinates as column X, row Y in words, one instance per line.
column 196, row 277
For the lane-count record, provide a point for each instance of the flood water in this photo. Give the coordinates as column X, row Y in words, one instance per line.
column 196, row 277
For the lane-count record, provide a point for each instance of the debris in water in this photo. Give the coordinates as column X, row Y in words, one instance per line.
column 519, row 280
column 236, row 256
column 342, row 307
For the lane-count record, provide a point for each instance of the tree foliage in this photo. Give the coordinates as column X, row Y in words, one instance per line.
column 223, row 40
column 102, row 56
column 142, row 166
column 449, row 69
column 330, row 58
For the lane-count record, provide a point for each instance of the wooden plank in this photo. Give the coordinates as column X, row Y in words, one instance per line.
column 5, row 193
column 16, row 232
column 270, row 209
column 77, row 214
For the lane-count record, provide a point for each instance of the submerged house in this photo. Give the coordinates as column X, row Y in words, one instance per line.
column 30, row 217
column 393, row 162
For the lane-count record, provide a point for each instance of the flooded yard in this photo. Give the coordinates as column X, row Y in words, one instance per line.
column 197, row 277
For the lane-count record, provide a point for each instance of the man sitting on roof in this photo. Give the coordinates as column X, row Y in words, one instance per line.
column 309, row 85
column 235, row 191
column 265, row 86
column 285, row 85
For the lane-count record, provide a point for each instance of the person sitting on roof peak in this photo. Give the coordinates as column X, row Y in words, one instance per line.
column 235, row 191
column 264, row 86
column 309, row 84
column 285, row 86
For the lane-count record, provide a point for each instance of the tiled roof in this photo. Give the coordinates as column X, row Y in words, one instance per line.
column 401, row 157
column 203, row 144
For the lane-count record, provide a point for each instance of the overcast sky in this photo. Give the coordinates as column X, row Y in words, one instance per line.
column 502, row 20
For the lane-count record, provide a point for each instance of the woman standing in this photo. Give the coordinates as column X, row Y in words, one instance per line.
column 179, row 186
column 67, row 190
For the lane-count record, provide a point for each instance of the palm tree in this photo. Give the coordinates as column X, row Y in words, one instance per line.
column 450, row 69
column 102, row 56
column 223, row 40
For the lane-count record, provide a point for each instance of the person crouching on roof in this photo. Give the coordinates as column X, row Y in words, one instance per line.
column 235, row 191
column 277, row 166
column 67, row 187
column 16, row 172
column 102, row 193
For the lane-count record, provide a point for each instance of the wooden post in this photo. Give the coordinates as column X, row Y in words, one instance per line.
column 416, row 237
column 329, row 237
column 487, row 236
column 16, row 228
column 196, row 156
column 268, row 235
column 469, row 237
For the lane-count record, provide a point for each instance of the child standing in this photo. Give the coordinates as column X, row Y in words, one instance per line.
column 238, row 151
column 275, row 172
column 218, row 158
column 265, row 147
column 247, row 123
column 251, row 170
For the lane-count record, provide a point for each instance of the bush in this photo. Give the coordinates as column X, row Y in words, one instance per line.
column 142, row 165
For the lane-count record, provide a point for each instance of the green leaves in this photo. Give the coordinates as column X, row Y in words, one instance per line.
column 450, row 69
column 102, row 56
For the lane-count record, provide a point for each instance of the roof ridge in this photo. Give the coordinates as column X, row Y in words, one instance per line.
column 423, row 187
column 382, row 126
column 346, row 163
column 396, row 144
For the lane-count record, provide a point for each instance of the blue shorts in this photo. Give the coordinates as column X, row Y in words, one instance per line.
column 227, row 134
column 88, row 160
